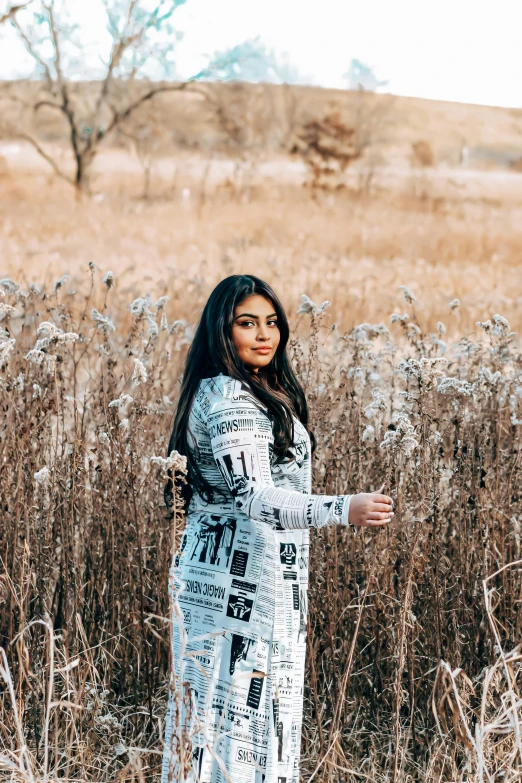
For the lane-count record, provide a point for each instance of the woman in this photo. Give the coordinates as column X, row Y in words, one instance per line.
column 241, row 577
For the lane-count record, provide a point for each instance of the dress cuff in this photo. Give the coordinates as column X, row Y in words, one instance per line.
column 346, row 511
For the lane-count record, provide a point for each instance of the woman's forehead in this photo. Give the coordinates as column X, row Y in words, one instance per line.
column 255, row 305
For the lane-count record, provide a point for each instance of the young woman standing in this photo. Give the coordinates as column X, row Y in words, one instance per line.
column 242, row 574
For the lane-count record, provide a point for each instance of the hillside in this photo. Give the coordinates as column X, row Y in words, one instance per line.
column 232, row 117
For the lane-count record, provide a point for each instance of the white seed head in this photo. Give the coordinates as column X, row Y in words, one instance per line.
column 360, row 334
column 43, row 476
column 309, row 307
column 501, row 327
column 177, row 325
column 153, row 325
column 9, row 285
column 368, row 434
column 409, row 298
column 449, row 385
column 413, row 330
column 109, row 279
column 306, row 306
column 123, row 399
column 139, row 375
column 140, row 306
column 48, row 328
column 59, row 283
column 397, row 318
column 68, row 337
column 486, row 325
column 175, row 461
column 402, row 439
column 6, row 347
column 160, row 304
column 103, row 322
column 35, row 355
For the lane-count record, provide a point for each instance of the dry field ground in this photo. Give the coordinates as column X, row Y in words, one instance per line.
column 354, row 250
column 414, row 663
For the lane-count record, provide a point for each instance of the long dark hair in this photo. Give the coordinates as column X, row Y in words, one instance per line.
column 212, row 352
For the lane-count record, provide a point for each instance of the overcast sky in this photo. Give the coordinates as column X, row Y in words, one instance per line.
column 458, row 50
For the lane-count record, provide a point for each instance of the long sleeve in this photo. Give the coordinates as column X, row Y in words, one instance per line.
column 242, row 443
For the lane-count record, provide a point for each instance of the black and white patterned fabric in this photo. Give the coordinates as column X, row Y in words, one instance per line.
column 239, row 595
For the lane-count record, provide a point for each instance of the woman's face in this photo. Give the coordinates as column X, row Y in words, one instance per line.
column 255, row 332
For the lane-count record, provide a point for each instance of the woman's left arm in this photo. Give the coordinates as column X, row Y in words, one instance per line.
column 242, row 441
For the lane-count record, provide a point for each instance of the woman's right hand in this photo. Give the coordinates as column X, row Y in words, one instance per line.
column 370, row 509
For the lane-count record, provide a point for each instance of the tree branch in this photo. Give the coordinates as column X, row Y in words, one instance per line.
column 120, row 45
column 40, row 150
column 119, row 117
column 56, row 43
column 13, row 11
column 32, row 51
column 50, row 104
column 118, row 50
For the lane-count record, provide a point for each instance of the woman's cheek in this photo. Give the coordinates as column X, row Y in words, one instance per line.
column 241, row 342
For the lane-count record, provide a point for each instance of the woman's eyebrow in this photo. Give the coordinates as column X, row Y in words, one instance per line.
column 249, row 315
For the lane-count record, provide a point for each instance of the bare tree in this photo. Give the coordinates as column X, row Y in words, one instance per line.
column 373, row 117
column 251, row 118
column 273, row 113
column 360, row 75
column 141, row 37
column 146, row 136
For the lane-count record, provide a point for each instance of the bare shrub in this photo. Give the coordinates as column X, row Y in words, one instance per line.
column 148, row 139
column 516, row 165
column 422, row 153
column 243, row 120
column 327, row 146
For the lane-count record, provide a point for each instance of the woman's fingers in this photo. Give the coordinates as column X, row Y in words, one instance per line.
column 375, row 515
column 381, row 507
column 376, row 523
column 382, row 499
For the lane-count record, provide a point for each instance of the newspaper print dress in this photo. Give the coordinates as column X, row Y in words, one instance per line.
column 240, row 587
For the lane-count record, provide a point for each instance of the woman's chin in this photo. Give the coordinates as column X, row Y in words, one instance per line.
column 259, row 363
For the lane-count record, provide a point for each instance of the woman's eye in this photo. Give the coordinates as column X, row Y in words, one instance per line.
column 272, row 323
column 246, row 323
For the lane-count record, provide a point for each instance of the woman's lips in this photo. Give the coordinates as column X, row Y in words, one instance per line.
column 265, row 349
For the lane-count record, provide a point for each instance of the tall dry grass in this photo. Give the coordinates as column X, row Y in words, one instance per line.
column 413, row 659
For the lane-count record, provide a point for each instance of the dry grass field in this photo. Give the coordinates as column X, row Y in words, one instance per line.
column 414, row 662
